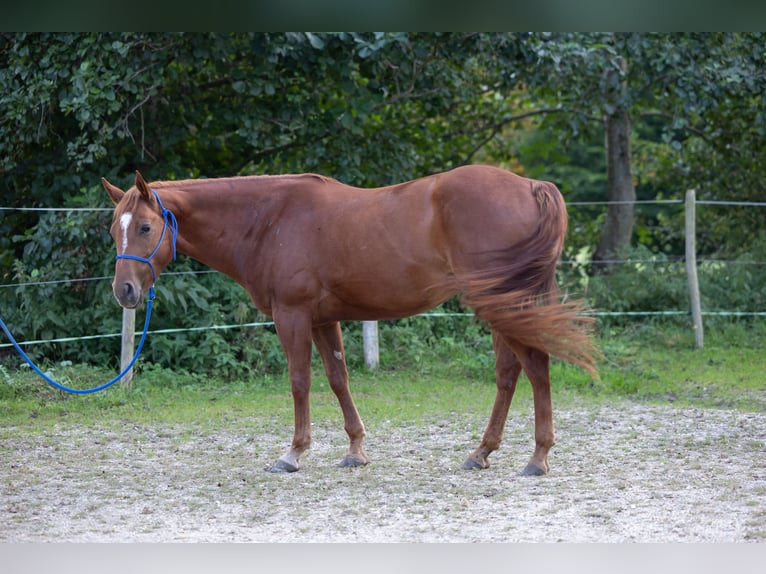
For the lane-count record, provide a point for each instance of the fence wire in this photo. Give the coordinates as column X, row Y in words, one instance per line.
column 676, row 260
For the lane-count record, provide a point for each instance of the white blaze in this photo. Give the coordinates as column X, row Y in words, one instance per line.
column 125, row 219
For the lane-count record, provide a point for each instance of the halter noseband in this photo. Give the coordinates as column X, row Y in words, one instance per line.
column 168, row 220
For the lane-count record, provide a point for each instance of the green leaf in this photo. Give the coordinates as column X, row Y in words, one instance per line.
column 315, row 41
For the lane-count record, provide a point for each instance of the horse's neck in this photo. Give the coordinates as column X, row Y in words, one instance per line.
column 212, row 222
column 208, row 226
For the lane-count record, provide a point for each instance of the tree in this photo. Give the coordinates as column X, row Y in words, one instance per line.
column 369, row 109
column 706, row 88
column 214, row 104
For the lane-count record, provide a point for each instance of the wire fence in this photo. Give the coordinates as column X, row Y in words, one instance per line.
column 256, row 324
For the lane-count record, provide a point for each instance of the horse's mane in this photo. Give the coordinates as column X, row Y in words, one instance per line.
column 189, row 183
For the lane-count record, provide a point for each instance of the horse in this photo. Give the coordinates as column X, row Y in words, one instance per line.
column 311, row 252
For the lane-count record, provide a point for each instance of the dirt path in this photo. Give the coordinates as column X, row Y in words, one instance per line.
column 620, row 472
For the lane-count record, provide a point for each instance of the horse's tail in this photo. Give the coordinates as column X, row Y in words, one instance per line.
column 518, row 294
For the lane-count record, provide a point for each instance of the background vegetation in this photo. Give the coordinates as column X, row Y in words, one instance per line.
column 373, row 109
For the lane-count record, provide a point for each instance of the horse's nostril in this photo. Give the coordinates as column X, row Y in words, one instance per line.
column 128, row 294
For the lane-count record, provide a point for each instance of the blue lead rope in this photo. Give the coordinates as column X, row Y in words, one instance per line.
column 168, row 222
column 59, row 386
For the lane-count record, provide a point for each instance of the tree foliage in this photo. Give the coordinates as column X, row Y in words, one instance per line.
column 695, row 102
column 176, row 104
column 367, row 108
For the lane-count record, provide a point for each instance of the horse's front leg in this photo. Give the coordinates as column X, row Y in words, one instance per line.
column 294, row 332
column 329, row 342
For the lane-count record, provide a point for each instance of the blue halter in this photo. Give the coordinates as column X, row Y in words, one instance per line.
column 168, row 220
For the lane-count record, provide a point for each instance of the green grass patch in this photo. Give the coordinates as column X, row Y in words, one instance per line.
column 648, row 363
column 161, row 395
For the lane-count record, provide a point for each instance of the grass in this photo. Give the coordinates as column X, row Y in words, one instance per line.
column 643, row 363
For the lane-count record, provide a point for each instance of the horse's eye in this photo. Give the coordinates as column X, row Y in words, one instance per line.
column 145, row 228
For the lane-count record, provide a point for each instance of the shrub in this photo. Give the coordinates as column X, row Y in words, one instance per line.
column 645, row 282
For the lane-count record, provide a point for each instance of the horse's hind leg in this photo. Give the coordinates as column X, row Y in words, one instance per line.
column 507, row 369
column 329, row 342
column 536, row 365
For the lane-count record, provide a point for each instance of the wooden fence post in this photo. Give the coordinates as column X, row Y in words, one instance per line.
column 691, row 268
column 371, row 350
column 128, row 344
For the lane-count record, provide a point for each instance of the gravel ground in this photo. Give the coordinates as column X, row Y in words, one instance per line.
column 620, row 472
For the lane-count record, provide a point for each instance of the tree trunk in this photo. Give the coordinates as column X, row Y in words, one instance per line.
column 618, row 228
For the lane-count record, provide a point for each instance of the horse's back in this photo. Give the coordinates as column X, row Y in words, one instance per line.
column 441, row 222
column 392, row 251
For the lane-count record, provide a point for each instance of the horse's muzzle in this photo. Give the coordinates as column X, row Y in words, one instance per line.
column 128, row 295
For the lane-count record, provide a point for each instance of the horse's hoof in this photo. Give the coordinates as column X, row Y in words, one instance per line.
column 350, row 461
column 533, row 470
column 471, row 464
column 283, row 466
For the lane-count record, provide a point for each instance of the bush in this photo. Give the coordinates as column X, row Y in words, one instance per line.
column 63, row 246
column 735, row 285
column 650, row 282
column 646, row 282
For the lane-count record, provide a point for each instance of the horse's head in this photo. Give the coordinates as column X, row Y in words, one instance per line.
column 144, row 233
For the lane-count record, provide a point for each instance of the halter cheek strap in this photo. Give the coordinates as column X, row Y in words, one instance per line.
column 168, row 221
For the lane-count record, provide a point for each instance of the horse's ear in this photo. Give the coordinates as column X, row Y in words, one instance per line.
column 115, row 193
column 142, row 186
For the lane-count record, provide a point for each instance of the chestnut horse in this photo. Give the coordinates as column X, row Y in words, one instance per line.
column 311, row 252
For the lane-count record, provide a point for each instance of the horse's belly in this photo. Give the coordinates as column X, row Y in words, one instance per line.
column 380, row 296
